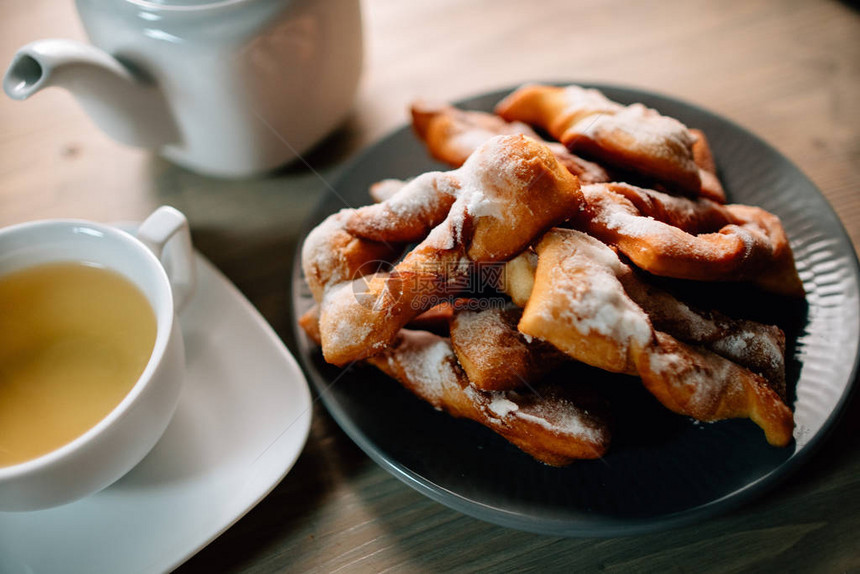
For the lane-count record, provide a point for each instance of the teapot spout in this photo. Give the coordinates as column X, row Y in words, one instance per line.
column 125, row 105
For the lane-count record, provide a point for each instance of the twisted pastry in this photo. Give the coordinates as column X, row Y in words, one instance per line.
column 410, row 211
column 452, row 135
column 508, row 192
column 556, row 425
column 695, row 382
column 331, row 255
column 736, row 243
column 755, row 346
column 712, row 188
column 386, row 188
column 683, row 238
column 752, row 345
column 691, row 239
column 579, row 305
column 494, row 355
column 633, row 138
column 435, row 320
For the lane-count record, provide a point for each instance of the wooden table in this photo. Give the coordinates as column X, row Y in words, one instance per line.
column 787, row 70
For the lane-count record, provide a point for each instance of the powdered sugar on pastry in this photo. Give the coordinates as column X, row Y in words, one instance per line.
column 427, row 361
column 642, row 130
column 701, row 387
column 484, row 180
column 500, row 406
column 631, row 138
column 494, row 354
column 582, row 103
column 701, row 240
column 551, row 426
column 408, row 214
column 331, row 255
column 319, row 257
column 561, row 421
column 596, row 300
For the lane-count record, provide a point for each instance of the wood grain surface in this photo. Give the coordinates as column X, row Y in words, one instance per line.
column 789, row 71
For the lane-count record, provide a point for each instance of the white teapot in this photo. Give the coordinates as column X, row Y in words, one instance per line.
column 228, row 88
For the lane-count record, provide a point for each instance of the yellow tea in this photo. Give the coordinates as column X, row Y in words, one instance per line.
column 74, row 339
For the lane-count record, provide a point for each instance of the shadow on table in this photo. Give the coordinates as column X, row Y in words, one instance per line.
column 855, row 4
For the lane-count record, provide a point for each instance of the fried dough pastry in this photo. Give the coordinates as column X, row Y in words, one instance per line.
column 410, row 212
column 691, row 239
column 557, row 425
column 694, row 382
column 451, row 135
column 579, row 305
column 309, row 321
column 711, row 187
column 494, row 355
column 680, row 237
column 331, row 255
column 632, row 138
column 507, row 193
column 518, row 277
column 382, row 190
column 575, row 293
column 435, row 320
column 756, row 346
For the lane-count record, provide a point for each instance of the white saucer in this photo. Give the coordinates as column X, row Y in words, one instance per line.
column 242, row 421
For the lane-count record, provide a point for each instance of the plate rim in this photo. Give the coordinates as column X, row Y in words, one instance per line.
column 612, row 527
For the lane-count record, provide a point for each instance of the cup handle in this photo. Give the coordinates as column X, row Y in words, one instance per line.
column 166, row 224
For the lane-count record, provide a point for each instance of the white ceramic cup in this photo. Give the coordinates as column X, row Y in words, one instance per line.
column 118, row 442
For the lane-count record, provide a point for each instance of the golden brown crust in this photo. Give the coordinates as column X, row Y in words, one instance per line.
column 550, row 425
column 408, row 214
column 555, row 425
column 712, row 187
column 632, row 138
column 452, row 135
column 332, row 255
column 755, row 346
column 580, row 306
column 579, row 299
column 494, row 354
column 692, row 239
column 310, row 324
column 435, row 320
column 695, row 382
column 509, row 191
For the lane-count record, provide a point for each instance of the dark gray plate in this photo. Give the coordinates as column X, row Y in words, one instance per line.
column 663, row 469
